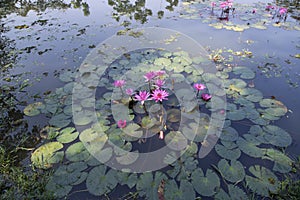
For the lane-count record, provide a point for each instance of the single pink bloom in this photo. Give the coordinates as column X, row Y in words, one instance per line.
column 119, row 83
column 129, row 91
column 160, row 73
column 206, row 97
column 159, row 95
column 159, row 82
column 223, row 4
column 229, row 4
column 161, row 135
column 269, row 7
column 199, row 86
column 222, row 111
column 142, row 96
column 213, row 4
column 149, row 76
column 121, row 123
column 282, row 11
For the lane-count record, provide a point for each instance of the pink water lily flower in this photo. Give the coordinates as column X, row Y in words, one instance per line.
column 149, row 76
column 159, row 82
column 119, row 83
column 282, row 11
column 199, row 86
column 121, row 123
column 142, row 96
column 223, row 4
column 161, row 135
column 160, row 73
column 213, row 4
column 206, row 97
column 129, row 91
column 159, row 95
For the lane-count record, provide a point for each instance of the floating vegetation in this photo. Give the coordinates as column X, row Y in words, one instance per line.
column 240, row 16
column 128, row 120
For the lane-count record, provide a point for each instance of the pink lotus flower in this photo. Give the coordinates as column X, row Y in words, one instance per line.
column 199, row 86
column 159, row 82
column 213, row 4
column 142, row 96
column 121, row 123
column 161, row 135
column 160, row 73
column 206, row 97
column 223, row 4
column 119, row 83
column 282, row 11
column 159, row 95
column 149, row 76
column 269, row 7
column 129, row 91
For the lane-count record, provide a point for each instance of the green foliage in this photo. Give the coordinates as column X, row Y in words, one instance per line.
column 18, row 183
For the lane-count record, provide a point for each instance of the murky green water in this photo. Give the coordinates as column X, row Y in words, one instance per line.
column 54, row 56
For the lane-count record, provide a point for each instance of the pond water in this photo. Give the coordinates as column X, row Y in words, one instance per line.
column 63, row 61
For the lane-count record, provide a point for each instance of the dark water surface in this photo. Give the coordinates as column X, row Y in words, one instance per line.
column 59, row 38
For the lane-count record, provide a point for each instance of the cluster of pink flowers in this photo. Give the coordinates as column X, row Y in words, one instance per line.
column 226, row 7
column 199, row 87
column 279, row 12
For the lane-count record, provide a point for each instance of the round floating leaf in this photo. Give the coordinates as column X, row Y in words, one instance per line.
column 227, row 152
column 175, row 140
column 234, row 193
column 67, row 135
column 244, row 72
column 250, row 147
column 99, row 182
column 283, row 163
column 229, row 134
column 34, row 109
column 84, row 118
column 60, row 120
column 173, row 115
column 162, row 61
column 252, row 94
column 128, row 158
column 233, row 172
column 185, row 191
column 59, row 191
column 46, row 155
column 77, row 152
column 205, row 185
column 236, row 115
column 277, row 136
column 147, row 186
column 263, row 182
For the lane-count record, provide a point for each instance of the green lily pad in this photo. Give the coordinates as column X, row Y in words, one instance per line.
column 283, row 163
column 100, row 182
column 234, row 193
column 162, row 62
column 77, row 152
column 46, row 155
column 236, row 115
column 34, row 109
column 229, row 134
column 185, row 191
column 244, row 72
column 231, row 153
column 60, row 120
column 277, row 136
column 173, row 115
column 263, row 182
column 131, row 132
column 205, row 185
column 67, row 135
column 252, row 94
column 84, row 118
column 58, row 191
column 250, row 147
column 175, row 140
column 128, row 158
column 233, row 172
column 147, row 185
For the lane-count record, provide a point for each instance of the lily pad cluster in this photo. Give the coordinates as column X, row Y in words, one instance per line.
column 82, row 154
column 242, row 17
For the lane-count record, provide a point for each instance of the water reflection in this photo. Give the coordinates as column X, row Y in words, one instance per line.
column 137, row 10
